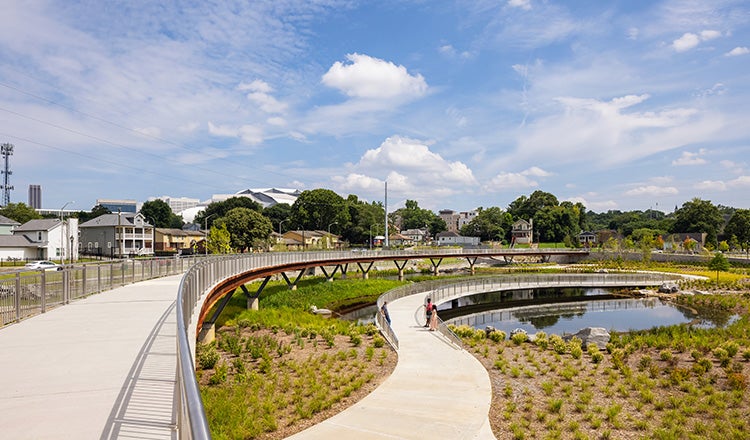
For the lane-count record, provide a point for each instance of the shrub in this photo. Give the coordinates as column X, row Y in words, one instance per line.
column 541, row 340
column 746, row 355
column 519, row 338
column 355, row 339
column 378, row 341
column 597, row 357
column 665, row 355
column 207, row 355
column 220, row 374
column 731, row 347
column 497, row 335
column 737, row 381
column 576, row 351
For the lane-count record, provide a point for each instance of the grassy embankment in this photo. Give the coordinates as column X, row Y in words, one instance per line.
column 277, row 370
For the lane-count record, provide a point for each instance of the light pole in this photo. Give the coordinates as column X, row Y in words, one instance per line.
column 63, row 241
column 329, row 231
column 205, row 239
column 281, row 223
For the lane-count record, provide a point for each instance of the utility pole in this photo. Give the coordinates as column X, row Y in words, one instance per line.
column 6, row 150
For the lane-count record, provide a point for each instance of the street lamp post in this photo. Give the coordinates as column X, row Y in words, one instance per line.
column 205, row 239
column 63, row 242
column 281, row 223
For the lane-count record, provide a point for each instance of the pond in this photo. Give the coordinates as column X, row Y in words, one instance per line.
column 566, row 311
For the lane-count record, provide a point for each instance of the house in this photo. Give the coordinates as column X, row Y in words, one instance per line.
column 399, row 240
column 450, row 238
column 416, row 235
column 117, row 235
column 177, row 240
column 301, row 239
column 587, row 238
column 42, row 239
column 7, row 225
column 687, row 241
column 522, row 231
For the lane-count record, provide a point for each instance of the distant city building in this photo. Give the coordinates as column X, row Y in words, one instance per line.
column 121, row 205
column 454, row 221
column 35, row 196
column 178, row 204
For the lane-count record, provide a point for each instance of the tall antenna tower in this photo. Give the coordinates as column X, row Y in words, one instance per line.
column 6, row 150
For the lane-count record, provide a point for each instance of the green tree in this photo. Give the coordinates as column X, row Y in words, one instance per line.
column 414, row 217
column 159, row 212
column 699, row 216
column 738, row 227
column 96, row 211
column 718, row 263
column 219, row 241
column 318, row 208
column 527, row 207
column 277, row 214
column 19, row 212
column 216, row 210
column 364, row 218
column 247, row 228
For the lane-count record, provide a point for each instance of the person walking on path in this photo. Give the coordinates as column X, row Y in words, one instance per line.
column 434, row 319
column 428, row 308
column 384, row 311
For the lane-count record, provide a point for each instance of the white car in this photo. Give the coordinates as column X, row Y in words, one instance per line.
column 42, row 265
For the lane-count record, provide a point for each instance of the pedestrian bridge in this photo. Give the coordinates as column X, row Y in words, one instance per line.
column 76, row 342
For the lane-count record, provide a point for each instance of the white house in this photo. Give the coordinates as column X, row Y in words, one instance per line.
column 450, row 238
column 7, row 225
column 42, row 239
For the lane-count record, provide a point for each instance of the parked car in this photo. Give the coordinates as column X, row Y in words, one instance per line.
column 42, row 265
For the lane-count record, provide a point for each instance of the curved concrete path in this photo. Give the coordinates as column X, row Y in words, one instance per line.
column 100, row 367
column 436, row 391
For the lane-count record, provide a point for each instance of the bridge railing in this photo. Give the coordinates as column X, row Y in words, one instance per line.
column 26, row 293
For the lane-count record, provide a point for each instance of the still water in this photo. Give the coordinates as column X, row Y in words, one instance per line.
column 565, row 311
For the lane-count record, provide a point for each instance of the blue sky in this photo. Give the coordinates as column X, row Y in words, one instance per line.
column 619, row 105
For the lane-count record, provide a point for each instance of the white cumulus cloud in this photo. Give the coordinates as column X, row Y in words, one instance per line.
column 524, row 179
column 690, row 40
column 737, row 51
column 688, row 158
column 651, row 190
column 711, row 185
column 373, row 78
column 523, row 4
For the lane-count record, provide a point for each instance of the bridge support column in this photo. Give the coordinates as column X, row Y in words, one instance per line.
column 329, row 278
column 207, row 333
column 472, row 262
column 344, row 269
column 293, row 284
column 365, row 272
column 400, row 269
column 435, row 265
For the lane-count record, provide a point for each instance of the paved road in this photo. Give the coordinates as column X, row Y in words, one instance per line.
column 101, row 367
column 435, row 392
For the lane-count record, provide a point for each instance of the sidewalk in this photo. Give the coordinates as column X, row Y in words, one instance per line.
column 101, row 367
column 436, row 391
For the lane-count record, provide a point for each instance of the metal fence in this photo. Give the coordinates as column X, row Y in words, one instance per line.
column 25, row 293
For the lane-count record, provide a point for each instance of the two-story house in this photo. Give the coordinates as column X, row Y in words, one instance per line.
column 42, row 239
column 117, row 235
column 178, row 240
column 523, row 231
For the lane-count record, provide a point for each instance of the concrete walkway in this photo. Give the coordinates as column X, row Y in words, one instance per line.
column 436, row 391
column 101, row 367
